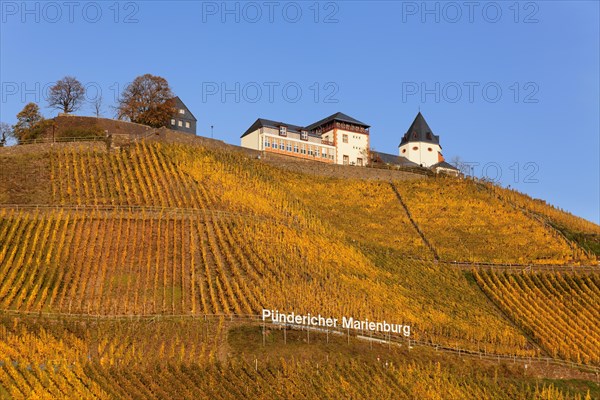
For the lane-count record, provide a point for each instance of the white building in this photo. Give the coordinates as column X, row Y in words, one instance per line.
column 420, row 145
column 337, row 139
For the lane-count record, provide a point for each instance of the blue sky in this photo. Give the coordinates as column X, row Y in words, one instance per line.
column 512, row 87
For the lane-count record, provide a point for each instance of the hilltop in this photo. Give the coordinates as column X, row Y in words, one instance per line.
column 142, row 261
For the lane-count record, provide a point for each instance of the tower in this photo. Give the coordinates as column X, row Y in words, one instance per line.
column 420, row 145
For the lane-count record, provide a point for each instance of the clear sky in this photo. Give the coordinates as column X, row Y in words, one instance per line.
column 513, row 87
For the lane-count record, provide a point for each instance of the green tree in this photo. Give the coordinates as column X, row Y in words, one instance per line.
column 147, row 100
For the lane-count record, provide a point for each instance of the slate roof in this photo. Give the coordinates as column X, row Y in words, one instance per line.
column 444, row 164
column 181, row 104
column 337, row 117
column 391, row 159
column 419, row 131
column 262, row 123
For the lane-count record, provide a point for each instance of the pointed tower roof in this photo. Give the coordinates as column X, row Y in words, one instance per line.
column 419, row 131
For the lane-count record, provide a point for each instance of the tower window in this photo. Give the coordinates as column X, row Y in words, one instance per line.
column 404, row 150
column 429, row 136
column 429, row 149
column 415, row 148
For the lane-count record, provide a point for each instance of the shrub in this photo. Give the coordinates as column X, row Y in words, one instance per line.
column 82, row 132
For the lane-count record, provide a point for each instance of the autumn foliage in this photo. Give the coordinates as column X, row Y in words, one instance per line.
column 200, row 236
column 148, row 100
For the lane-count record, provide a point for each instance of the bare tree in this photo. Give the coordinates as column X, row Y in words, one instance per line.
column 147, row 100
column 462, row 166
column 6, row 132
column 367, row 156
column 97, row 105
column 66, row 95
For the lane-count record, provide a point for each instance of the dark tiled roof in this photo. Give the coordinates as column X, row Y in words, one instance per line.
column 261, row 123
column 444, row 164
column 337, row 117
column 181, row 104
column 391, row 159
column 419, row 131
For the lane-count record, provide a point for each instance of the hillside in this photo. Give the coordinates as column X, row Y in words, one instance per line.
column 184, row 241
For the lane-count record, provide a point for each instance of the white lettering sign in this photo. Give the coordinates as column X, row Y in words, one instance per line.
column 275, row 316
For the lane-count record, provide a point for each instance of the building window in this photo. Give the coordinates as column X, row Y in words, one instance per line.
column 181, row 111
column 403, row 150
column 344, row 138
column 303, row 149
column 304, row 135
column 267, row 144
column 429, row 149
column 289, row 146
column 172, row 122
column 281, row 145
column 187, row 124
column 179, row 123
column 275, row 143
column 415, row 148
column 282, row 131
column 346, row 160
column 359, row 162
column 295, row 148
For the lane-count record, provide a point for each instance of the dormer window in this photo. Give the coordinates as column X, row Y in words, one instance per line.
column 429, row 136
column 304, row 135
column 181, row 111
column 282, row 131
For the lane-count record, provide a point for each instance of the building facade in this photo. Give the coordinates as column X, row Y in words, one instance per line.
column 423, row 148
column 337, row 139
column 420, row 145
column 183, row 120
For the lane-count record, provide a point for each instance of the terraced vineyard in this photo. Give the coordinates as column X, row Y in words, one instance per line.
column 237, row 380
column 167, row 359
column 559, row 310
column 136, row 262
column 464, row 221
column 146, row 245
